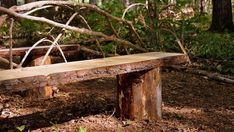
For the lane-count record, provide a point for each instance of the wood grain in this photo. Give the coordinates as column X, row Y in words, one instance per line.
column 139, row 95
column 88, row 69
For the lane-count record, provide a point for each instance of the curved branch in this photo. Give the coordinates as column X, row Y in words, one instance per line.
column 131, row 6
column 31, row 48
column 37, row 9
column 56, row 40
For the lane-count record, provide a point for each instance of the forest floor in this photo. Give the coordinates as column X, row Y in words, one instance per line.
column 190, row 103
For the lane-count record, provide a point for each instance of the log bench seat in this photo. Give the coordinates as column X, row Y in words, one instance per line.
column 139, row 92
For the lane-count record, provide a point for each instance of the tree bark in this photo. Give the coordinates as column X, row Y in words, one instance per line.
column 221, row 16
column 139, row 95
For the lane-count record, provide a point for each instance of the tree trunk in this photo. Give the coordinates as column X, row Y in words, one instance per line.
column 8, row 3
column 139, row 95
column 221, row 16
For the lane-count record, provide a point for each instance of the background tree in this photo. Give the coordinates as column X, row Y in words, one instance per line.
column 221, row 16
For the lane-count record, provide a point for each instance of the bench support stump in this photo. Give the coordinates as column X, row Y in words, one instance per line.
column 139, row 95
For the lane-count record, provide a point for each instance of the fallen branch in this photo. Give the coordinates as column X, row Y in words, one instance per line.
column 97, row 42
column 179, row 42
column 11, row 43
column 7, row 62
column 75, row 29
column 214, row 76
column 37, row 9
column 131, row 6
column 56, row 41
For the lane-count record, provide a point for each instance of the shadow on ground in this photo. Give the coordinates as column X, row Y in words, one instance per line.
column 190, row 102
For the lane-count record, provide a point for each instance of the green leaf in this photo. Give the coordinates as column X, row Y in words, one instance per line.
column 21, row 128
column 82, row 129
column 118, row 129
column 219, row 68
column 129, row 122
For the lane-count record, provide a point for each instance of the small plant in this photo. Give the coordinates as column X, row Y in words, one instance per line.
column 21, row 128
column 82, row 129
column 118, row 129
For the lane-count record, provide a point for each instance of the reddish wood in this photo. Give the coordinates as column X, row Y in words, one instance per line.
column 139, row 95
column 46, row 91
column 37, row 60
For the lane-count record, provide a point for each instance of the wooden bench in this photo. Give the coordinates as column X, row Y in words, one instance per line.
column 139, row 93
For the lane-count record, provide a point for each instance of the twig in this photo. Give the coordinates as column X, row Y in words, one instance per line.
column 37, row 9
column 111, row 114
column 11, row 43
column 116, row 34
column 7, row 62
column 130, row 24
column 97, row 42
column 56, row 39
column 131, row 6
column 214, row 76
column 112, row 28
column 179, row 43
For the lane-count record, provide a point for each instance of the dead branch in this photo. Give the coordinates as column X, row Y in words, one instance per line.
column 75, row 29
column 97, row 42
column 131, row 6
column 179, row 43
column 56, row 40
column 115, row 33
column 214, row 76
column 7, row 62
column 112, row 28
column 37, row 9
column 89, row 6
column 11, row 43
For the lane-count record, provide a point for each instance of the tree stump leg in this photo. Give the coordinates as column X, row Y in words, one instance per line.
column 46, row 91
column 139, row 95
column 43, row 91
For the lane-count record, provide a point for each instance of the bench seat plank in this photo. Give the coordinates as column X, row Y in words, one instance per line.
column 155, row 58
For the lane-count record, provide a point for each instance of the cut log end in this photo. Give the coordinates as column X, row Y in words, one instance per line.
column 38, row 59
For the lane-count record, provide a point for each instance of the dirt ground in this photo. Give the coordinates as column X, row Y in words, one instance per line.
column 190, row 103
